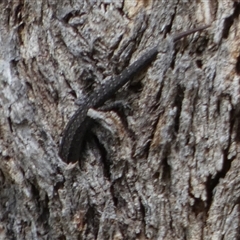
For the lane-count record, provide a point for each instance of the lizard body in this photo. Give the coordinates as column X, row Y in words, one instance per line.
column 74, row 132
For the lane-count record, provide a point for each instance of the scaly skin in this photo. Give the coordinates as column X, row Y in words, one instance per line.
column 73, row 134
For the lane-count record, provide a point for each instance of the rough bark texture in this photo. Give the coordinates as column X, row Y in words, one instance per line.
column 166, row 166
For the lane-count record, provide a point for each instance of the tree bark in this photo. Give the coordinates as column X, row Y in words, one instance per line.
column 164, row 166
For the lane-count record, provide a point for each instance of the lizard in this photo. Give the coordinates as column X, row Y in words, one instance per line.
column 74, row 132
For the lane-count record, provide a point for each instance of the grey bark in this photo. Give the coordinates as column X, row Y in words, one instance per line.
column 166, row 166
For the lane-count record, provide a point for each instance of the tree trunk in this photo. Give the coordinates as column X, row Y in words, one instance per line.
column 163, row 165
